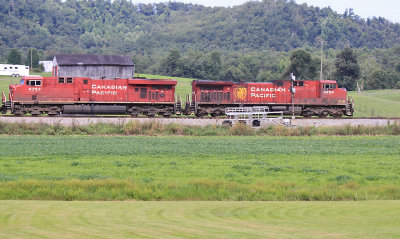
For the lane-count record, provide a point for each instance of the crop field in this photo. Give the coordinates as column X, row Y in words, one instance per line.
column 199, row 168
column 194, row 219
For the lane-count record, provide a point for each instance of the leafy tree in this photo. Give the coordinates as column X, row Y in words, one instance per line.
column 347, row 69
column 172, row 65
column 233, row 74
column 377, row 80
column 35, row 58
column 302, row 65
column 14, row 57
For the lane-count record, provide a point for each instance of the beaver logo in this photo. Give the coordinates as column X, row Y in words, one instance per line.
column 241, row 93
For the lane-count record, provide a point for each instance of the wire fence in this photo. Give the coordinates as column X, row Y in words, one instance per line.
column 366, row 110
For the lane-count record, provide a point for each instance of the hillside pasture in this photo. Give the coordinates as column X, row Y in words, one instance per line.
column 377, row 103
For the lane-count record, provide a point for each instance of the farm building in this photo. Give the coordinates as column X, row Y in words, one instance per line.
column 47, row 65
column 94, row 66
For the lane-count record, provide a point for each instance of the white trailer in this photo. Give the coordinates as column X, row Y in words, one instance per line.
column 14, row 70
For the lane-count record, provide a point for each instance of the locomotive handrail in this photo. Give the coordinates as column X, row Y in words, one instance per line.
column 3, row 98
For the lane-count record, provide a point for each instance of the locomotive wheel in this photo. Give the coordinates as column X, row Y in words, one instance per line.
column 134, row 111
column 151, row 112
column 323, row 114
column 217, row 113
column 35, row 111
column 338, row 115
column 19, row 111
column 201, row 113
column 53, row 111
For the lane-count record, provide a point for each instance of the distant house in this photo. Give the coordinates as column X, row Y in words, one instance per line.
column 47, row 65
column 93, row 66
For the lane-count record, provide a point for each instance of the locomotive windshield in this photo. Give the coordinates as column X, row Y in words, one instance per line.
column 22, row 82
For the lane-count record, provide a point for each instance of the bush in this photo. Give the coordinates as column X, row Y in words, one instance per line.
column 241, row 129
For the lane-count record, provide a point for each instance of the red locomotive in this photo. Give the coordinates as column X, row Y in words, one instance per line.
column 37, row 95
column 306, row 98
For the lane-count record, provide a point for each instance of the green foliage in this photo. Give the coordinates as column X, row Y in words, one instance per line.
column 380, row 79
column 302, row 65
column 154, row 127
column 172, row 65
column 347, row 69
column 14, row 57
column 233, row 74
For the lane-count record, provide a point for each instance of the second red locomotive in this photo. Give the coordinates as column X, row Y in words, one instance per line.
column 306, row 98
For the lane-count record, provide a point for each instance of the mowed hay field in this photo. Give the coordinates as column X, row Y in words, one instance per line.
column 194, row 219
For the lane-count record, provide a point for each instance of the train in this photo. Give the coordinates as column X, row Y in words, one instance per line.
column 37, row 95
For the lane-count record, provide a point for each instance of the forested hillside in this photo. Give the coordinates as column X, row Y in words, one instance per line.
column 250, row 42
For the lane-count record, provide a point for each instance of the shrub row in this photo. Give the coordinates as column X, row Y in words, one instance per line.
column 154, row 128
column 197, row 189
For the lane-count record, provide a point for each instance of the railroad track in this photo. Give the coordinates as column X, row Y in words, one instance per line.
column 74, row 120
column 186, row 117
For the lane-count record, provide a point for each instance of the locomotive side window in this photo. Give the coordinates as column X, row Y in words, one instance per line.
column 279, row 83
column 167, row 87
column 34, row 83
column 329, row 86
column 143, row 93
column 155, row 87
column 85, row 82
column 69, row 80
column 298, row 83
column 136, row 89
column 61, row 80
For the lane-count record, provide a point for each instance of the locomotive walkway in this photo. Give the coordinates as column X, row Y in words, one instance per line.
column 85, row 120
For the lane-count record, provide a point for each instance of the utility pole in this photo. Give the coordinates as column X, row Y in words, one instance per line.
column 322, row 49
column 31, row 57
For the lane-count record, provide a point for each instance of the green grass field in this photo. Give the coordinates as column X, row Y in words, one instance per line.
column 377, row 103
column 193, row 219
column 199, row 168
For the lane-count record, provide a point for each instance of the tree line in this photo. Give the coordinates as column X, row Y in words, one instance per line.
column 256, row 41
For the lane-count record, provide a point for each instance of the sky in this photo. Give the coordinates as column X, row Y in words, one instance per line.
column 389, row 9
